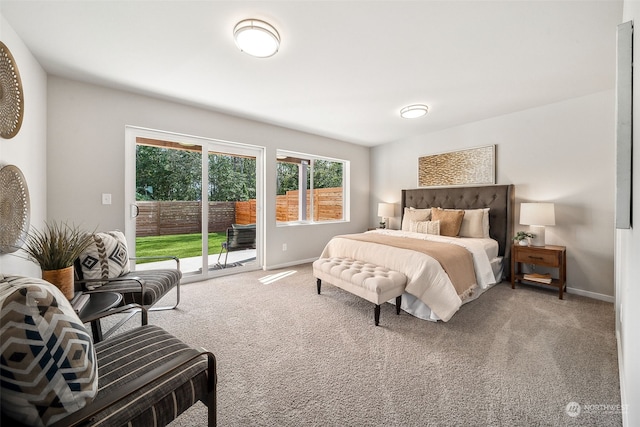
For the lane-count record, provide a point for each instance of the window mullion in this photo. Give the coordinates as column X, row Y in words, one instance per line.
column 312, row 207
column 302, row 193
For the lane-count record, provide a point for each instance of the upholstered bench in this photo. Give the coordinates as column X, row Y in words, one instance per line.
column 369, row 281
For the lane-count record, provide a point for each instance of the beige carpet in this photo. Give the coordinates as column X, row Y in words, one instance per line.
column 290, row 357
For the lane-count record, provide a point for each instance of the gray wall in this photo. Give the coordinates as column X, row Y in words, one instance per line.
column 561, row 153
column 28, row 149
column 86, row 156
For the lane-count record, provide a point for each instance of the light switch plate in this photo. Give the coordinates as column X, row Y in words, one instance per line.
column 106, row 198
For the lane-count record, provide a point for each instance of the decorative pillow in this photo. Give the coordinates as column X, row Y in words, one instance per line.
column 49, row 367
column 425, row 227
column 450, row 221
column 473, row 224
column 411, row 214
column 485, row 223
column 105, row 258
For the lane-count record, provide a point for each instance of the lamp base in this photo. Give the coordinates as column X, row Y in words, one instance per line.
column 538, row 231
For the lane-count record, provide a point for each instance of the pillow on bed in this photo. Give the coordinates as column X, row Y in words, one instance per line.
column 450, row 220
column 485, row 223
column 425, row 227
column 475, row 223
column 411, row 214
column 471, row 225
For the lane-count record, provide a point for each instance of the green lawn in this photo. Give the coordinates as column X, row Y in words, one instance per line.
column 180, row 245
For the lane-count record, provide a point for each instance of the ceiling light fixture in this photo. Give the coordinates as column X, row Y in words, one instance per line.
column 414, row 111
column 256, row 38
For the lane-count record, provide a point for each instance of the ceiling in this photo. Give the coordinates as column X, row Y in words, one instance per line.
column 345, row 68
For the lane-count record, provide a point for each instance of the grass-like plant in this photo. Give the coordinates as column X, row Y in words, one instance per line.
column 56, row 246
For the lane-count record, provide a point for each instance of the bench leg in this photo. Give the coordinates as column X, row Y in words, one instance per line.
column 398, row 303
column 376, row 314
column 318, row 283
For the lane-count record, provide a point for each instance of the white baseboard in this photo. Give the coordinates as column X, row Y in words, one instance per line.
column 594, row 295
column 588, row 294
column 623, row 398
column 289, row 264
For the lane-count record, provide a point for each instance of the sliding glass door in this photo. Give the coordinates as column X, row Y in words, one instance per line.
column 232, row 196
column 195, row 198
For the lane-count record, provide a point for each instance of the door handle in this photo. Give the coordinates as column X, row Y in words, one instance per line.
column 135, row 210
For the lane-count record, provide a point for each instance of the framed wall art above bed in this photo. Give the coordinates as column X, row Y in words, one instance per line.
column 473, row 166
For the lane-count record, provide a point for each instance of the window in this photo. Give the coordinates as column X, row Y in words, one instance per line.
column 310, row 188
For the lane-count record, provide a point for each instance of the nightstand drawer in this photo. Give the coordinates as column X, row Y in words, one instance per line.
column 546, row 256
column 533, row 256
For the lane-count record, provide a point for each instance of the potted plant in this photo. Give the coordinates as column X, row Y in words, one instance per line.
column 522, row 237
column 55, row 249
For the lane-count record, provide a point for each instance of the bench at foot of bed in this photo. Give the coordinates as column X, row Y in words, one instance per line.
column 369, row 281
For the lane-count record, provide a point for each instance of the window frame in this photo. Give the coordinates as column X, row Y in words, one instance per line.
column 346, row 164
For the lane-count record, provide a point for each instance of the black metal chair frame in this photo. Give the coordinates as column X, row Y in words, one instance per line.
column 237, row 239
column 141, row 282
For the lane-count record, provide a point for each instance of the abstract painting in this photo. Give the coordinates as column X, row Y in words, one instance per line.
column 462, row 167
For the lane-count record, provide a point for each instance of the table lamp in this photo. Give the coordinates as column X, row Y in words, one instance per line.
column 536, row 216
column 385, row 211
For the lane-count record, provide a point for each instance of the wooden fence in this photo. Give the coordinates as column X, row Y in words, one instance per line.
column 165, row 218
column 246, row 212
column 327, row 204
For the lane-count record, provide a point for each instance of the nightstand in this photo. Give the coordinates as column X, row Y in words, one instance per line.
column 544, row 256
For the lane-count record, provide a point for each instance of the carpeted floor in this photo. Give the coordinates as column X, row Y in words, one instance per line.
column 289, row 357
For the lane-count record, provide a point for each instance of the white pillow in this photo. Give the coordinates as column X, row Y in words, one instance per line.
column 425, row 227
column 475, row 223
column 485, row 223
column 412, row 214
column 471, row 224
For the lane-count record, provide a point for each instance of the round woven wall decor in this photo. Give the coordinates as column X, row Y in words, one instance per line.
column 11, row 97
column 15, row 209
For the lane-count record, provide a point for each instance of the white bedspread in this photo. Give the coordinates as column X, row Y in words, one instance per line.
column 429, row 293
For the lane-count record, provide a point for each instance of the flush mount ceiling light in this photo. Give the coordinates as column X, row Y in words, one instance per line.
column 256, row 38
column 414, row 111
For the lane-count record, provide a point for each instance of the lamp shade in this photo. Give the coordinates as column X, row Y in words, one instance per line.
column 537, row 214
column 385, row 210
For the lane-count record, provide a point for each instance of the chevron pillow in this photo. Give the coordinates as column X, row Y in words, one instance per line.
column 48, row 362
column 105, row 258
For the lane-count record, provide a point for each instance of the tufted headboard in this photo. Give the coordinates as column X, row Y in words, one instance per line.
column 499, row 198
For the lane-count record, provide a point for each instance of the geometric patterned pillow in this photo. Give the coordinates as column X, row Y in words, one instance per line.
column 105, row 258
column 48, row 363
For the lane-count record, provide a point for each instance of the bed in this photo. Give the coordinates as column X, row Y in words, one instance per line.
column 437, row 282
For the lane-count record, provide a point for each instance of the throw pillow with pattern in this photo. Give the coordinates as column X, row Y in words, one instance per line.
column 49, row 368
column 105, row 258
